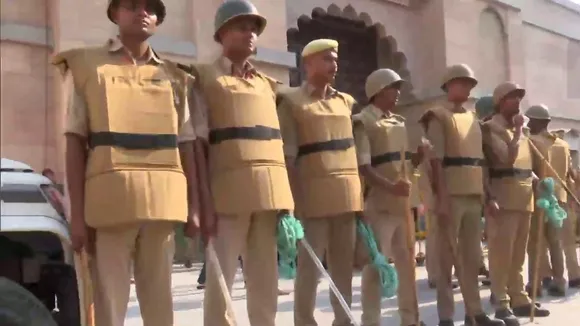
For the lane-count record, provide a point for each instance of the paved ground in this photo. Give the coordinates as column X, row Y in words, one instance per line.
column 188, row 304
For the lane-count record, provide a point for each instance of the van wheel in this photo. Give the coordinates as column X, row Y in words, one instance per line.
column 19, row 307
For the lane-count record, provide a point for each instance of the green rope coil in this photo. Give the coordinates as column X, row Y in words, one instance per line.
column 387, row 273
column 289, row 232
column 548, row 202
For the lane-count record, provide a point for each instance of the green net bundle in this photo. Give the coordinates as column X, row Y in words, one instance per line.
column 289, row 232
column 387, row 273
column 548, row 202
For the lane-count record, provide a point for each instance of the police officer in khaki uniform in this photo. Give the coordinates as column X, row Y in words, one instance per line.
column 319, row 148
column 458, row 181
column 234, row 111
column 382, row 149
column 126, row 118
column 557, row 153
column 509, row 159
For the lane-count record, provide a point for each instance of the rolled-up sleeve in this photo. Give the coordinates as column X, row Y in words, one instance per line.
column 288, row 129
column 199, row 111
column 186, row 130
column 362, row 144
column 77, row 117
column 437, row 138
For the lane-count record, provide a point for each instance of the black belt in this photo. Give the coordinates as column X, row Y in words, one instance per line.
column 325, row 146
column 217, row 136
column 389, row 157
column 462, row 161
column 132, row 141
column 510, row 173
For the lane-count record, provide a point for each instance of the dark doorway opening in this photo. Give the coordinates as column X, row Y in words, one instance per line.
column 357, row 51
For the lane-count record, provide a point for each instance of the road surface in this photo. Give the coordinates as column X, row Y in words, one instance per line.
column 188, row 303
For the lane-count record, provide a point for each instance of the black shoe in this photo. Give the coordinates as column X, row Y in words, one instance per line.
column 446, row 323
column 539, row 292
column 507, row 316
column 554, row 291
column 575, row 283
column 432, row 285
column 483, row 320
column 188, row 264
column 546, row 282
column 486, row 282
column 201, row 286
column 526, row 311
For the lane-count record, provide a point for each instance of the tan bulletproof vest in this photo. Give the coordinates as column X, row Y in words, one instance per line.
column 133, row 170
column 327, row 164
column 556, row 152
column 511, row 185
column 246, row 157
column 463, row 159
column 389, row 151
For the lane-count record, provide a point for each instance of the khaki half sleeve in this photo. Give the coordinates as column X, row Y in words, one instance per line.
column 288, row 129
column 199, row 111
column 77, row 117
column 362, row 144
column 437, row 138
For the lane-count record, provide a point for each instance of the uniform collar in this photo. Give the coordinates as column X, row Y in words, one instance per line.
column 310, row 89
column 228, row 67
column 115, row 45
column 450, row 106
column 376, row 112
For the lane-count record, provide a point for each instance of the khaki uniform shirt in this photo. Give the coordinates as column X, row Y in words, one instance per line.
column 77, row 118
column 288, row 124
column 197, row 103
column 495, row 149
column 361, row 139
column 436, row 135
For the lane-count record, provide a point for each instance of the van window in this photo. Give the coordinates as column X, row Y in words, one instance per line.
column 21, row 193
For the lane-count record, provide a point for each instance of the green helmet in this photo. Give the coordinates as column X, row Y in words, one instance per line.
column 237, row 8
column 160, row 10
column 484, row 107
column 458, row 71
column 380, row 79
column 540, row 112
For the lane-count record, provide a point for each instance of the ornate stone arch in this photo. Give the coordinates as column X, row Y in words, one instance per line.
column 493, row 45
column 384, row 54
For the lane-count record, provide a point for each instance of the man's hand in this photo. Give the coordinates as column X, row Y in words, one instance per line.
column 192, row 225
column 443, row 211
column 491, row 208
column 518, row 121
column 402, row 188
column 209, row 223
column 82, row 237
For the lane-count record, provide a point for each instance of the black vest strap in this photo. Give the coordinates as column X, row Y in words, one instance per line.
column 132, row 141
column 389, row 157
column 325, row 146
column 217, row 136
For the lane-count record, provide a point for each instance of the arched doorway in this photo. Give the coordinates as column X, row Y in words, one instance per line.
column 364, row 47
column 357, row 51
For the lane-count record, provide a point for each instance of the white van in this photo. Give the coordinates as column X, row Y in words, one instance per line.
column 35, row 252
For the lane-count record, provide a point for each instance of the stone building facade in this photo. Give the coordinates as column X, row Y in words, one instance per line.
column 533, row 42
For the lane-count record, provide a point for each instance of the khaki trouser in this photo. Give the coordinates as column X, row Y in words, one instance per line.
column 462, row 234
column 253, row 236
column 569, row 243
column 336, row 236
column 508, row 235
column 552, row 243
column 150, row 247
column 393, row 234
column 432, row 255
